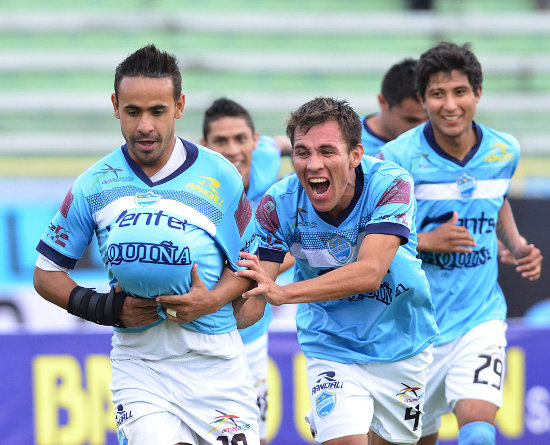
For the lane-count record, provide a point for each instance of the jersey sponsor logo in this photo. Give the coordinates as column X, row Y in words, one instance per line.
column 66, row 205
column 410, row 394
column 60, row 235
column 466, row 186
column 421, row 161
column 477, row 225
column 243, row 214
column 266, row 214
column 325, row 403
column 384, row 294
column 122, row 415
column 208, row 188
column 326, row 380
column 499, row 154
column 340, row 248
column 232, row 426
column 399, row 192
column 456, row 260
column 164, row 253
column 126, row 219
column 300, row 221
column 146, row 199
column 111, row 171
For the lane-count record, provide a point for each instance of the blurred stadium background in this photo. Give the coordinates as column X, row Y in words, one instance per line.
column 57, row 60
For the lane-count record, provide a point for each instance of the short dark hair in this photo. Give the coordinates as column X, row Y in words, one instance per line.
column 446, row 57
column 321, row 110
column 398, row 83
column 149, row 61
column 224, row 107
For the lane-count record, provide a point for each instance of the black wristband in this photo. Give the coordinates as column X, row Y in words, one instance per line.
column 97, row 307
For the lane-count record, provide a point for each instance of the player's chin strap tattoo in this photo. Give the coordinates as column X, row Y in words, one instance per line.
column 97, row 307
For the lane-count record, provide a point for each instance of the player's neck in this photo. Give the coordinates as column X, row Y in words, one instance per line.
column 374, row 122
column 457, row 146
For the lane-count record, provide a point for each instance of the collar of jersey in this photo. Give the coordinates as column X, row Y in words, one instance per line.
column 192, row 154
column 359, row 183
column 429, row 135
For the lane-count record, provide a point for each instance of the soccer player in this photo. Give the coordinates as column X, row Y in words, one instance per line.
column 228, row 129
column 462, row 172
column 400, row 109
column 170, row 218
column 365, row 319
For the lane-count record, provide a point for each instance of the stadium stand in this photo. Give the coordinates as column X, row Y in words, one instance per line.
column 56, row 62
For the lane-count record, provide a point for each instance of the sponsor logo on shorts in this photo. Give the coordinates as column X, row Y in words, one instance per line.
column 326, row 380
column 466, row 186
column 340, row 248
column 208, row 188
column 410, row 393
column 324, row 403
column 232, row 426
column 146, row 199
column 122, row 416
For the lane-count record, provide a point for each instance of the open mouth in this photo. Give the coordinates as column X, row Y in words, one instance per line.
column 319, row 185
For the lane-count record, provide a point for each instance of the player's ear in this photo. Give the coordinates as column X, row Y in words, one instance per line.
column 356, row 155
column 478, row 94
column 256, row 137
column 114, row 100
column 180, row 105
column 382, row 102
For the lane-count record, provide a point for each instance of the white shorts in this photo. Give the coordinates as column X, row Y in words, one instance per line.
column 256, row 355
column 470, row 367
column 350, row 399
column 193, row 399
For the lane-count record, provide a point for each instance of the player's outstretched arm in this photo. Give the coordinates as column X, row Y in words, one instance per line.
column 200, row 300
column 448, row 237
column 364, row 275
column 528, row 257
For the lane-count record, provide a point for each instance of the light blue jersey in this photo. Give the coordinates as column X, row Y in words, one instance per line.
column 371, row 141
column 264, row 171
column 464, row 286
column 393, row 323
column 150, row 234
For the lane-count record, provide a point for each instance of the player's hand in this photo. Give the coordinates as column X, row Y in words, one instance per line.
column 448, row 237
column 529, row 262
column 266, row 287
column 137, row 311
column 194, row 304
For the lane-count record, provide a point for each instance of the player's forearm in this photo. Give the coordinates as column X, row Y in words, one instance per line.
column 248, row 311
column 352, row 279
column 507, row 231
column 229, row 287
column 54, row 286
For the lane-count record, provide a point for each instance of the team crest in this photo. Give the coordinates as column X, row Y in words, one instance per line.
column 147, row 199
column 466, row 186
column 324, row 403
column 339, row 248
